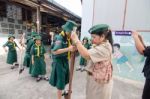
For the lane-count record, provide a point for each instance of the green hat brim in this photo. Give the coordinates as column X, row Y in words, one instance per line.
column 34, row 34
column 38, row 38
column 98, row 28
column 11, row 36
column 66, row 29
column 85, row 38
column 69, row 25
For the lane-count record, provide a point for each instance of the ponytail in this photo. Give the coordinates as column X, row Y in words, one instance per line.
column 108, row 36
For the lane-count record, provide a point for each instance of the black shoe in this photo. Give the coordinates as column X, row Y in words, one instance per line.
column 38, row 79
column 12, row 67
column 46, row 78
column 66, row 92
column 21, row 70
column 16, row 65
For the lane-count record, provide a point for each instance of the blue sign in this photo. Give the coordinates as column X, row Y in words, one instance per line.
column 123, row 33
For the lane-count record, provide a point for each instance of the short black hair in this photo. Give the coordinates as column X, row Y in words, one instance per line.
column 117, row 45
column 85, row 38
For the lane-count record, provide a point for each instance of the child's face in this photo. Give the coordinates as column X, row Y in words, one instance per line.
column 96, row 39
column 116, row 48
column 85, row 41
column 38, row 41
column 11, row 39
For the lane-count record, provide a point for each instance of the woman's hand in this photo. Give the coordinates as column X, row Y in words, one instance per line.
column 72, row 48
column 135, row 34
column 74, row 37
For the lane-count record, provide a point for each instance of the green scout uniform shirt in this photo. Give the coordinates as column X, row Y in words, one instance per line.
column 27, row 58
column 12, row 54
column 39, row 66
column 60, row 67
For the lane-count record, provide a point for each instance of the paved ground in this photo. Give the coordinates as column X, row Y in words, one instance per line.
column 13, row 86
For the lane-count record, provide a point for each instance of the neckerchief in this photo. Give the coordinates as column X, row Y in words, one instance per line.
column 68, row 41
column 38, row 50
column 13, row 43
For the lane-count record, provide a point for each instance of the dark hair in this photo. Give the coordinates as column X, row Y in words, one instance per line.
column 85, row 39
column 65, row 36
column 117, row 45
column 107, row 34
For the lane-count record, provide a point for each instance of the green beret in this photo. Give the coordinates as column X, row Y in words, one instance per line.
column 85, row 38
column 9, row 36
column 98, row 28
column 33, row 34
column 28, row 34
column 68, row 27
column 28, row 37
column 38, row 37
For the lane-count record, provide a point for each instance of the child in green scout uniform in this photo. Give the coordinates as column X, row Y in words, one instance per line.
column 12, row 53
column 29, row 43
column 38, row 59
column 60, row 68
column 83, row 61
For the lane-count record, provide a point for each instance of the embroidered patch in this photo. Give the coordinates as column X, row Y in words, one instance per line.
column 58, row 42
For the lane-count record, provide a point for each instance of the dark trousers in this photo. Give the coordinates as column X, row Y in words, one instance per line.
column 146, row 90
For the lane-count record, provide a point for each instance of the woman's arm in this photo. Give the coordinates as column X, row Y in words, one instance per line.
column 141, row 39
column 139, row 45
column 82, row 50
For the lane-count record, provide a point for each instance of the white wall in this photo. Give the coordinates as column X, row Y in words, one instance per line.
column 87, row 13
column 111, row 12
column 138, row 15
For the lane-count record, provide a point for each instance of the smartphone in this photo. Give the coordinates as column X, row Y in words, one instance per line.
column 123, row 33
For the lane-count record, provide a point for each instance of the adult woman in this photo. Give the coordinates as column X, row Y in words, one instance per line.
column 145, row 51
column 99, row 80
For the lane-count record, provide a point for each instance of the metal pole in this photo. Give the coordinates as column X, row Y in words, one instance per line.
column 125, row 12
